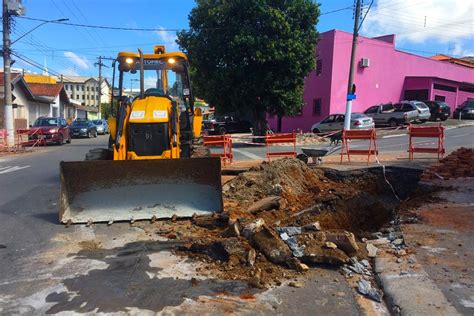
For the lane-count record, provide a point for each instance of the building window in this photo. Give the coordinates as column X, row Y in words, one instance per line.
column 317, row 107
column 83, row 97
column 82, row 88
column 72, row 96
column 87, row 97
column 87, row 88
column 440, row 98
column 319, row 66
column 77, row 87
column 66, row 87
column 77, row 96
column 444, row 87
column 97, row 88
column 466, row 89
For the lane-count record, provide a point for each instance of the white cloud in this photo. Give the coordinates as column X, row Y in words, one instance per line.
column 443, row 21
column 167, row 38
column 69, row 72
column 459, row 50
column 81, row 62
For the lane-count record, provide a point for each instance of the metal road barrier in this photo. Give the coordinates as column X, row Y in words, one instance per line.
column 224, row 141
column 362, row 134
column 426, row 132
column 272, row 139
column 30, row 137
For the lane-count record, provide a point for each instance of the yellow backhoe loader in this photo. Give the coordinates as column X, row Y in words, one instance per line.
column 149, row 170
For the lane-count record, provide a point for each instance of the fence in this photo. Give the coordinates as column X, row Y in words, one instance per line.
column 363, row 134
column 426, row 132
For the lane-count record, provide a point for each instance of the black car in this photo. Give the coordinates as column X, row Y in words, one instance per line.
column 439, row 110
column 225, row 125
column 83, row 128
column 465, row 110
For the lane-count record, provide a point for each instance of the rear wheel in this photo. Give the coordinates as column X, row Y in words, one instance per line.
column 68, row 140
column 95, row 134
column 444, row 118
column 60, row 140
column 393, row 123
column 316, row 131
column 88, row 134
column 222, row 130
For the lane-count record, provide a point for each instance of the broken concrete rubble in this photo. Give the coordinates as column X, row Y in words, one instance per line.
column 365, row 288
column 265, row 204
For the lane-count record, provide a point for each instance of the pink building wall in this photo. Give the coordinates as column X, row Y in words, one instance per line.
column 389, row 74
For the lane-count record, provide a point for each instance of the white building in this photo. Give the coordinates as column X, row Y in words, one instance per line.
column 86, row 90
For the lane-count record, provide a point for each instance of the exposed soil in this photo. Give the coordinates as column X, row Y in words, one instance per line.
column 244, row 243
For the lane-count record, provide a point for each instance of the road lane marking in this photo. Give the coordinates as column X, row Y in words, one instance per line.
column 396, row 135
column 8, row 169
column 462, row 135
column 247, row 154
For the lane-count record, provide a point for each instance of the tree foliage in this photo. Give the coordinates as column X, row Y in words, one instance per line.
column 251, row 56
column 106, row 110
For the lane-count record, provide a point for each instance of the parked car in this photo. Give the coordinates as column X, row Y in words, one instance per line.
column 335, row 122
column 465, row 110
column 53, row 130
column 392, row 114
column 101, row 126
column 225, row 125
column 83, row 128
column 439, row 110
column 423, row 110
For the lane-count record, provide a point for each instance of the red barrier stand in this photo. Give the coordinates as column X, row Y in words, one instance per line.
column 30, row 137
column 223, row 141
column 3, row 139
column 363, row 134
column 272, row 139
column 426, row 132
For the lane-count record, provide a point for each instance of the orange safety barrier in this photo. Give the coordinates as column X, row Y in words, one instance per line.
column 223, row 141
column 426, row 132
column 363, row 134
column 30, row 137
column 3, row 139
column 272, row 139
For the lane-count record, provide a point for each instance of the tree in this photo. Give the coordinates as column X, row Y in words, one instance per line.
column 251, row 56
column 106, row 110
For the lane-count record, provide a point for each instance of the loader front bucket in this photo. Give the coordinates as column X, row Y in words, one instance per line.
column 110, row 191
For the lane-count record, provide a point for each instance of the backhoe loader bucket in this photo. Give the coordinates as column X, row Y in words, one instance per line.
column 110, row 191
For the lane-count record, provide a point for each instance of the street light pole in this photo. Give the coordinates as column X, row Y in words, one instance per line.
column 45, row 22
column 350, row 85
column 7, row 92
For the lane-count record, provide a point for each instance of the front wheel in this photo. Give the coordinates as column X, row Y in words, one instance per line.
column 316, row 131
column 222, row 130
column 95, row 134
column 60, row 140
column 443, row 119
column 393, row 123
column 88, row 134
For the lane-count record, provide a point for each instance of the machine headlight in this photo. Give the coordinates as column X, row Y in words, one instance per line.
column 129, row 60
column 171, row 61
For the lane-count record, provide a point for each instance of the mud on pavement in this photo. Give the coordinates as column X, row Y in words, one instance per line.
column 281, row 221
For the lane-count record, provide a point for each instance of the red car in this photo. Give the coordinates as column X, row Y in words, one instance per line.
column 53, row 130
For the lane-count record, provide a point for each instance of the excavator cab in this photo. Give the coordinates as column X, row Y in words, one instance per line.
column 152, row 172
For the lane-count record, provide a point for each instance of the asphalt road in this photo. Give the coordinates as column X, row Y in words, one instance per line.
column 29, row 227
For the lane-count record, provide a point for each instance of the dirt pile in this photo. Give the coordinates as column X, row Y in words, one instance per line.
column 283, row 217
column 457, row 165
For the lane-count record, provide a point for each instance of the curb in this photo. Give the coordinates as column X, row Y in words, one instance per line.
column 410, row 291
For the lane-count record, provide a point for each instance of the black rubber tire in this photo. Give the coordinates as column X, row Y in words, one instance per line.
column 392, row 123
column 68, row 141
column 99, row 154
column 95, row 134
column 303, row 157
column 316, row 131
column 222, row 130
column 443, row 119
column 61, row 140
column 88, row 134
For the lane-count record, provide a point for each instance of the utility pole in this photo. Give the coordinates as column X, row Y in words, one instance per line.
column 7, row 92
column 350, row 86
column 100, row 64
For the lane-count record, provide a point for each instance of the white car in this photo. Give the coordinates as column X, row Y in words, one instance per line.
column 335, row 122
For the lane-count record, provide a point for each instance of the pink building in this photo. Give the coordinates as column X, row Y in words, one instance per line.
column 383, row 74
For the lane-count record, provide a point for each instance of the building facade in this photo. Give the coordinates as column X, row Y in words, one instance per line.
column 382, row 74
column 86, row 90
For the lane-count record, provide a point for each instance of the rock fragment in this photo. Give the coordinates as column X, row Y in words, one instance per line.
column 265, row 204
column 365, row 288
column 372, row 250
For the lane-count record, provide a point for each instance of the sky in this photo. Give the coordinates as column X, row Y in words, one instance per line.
column 424, row 27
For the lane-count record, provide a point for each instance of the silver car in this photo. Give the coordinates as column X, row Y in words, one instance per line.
column 424, row 113
column 101, row 126
column 335, row 122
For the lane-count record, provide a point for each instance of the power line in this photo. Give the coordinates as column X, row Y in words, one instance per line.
column 337, row 10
